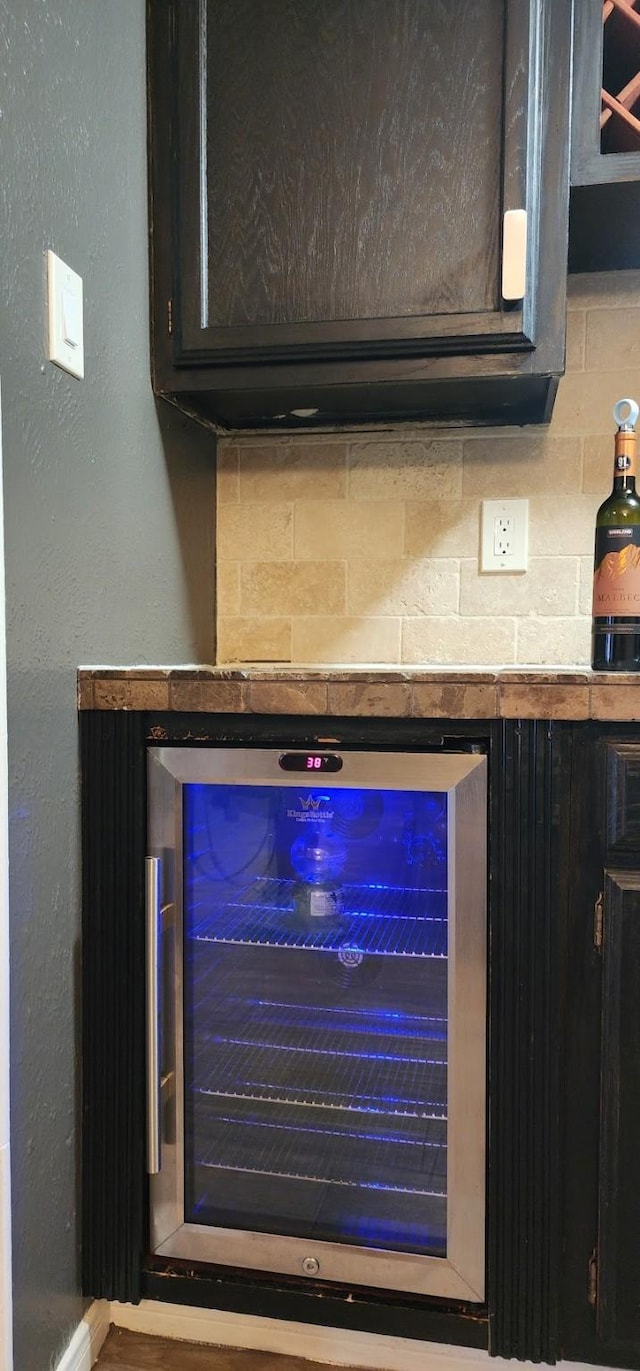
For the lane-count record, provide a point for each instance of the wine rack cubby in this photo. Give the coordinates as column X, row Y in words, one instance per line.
column 620, row 113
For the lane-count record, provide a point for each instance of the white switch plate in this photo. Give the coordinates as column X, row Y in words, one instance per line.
column 504, row 543
column 66, row 332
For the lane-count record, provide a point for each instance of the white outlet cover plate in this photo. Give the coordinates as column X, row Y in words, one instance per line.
column 66, row 324
column 517, row 511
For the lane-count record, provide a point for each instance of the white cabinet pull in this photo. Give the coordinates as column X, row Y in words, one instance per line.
column 514, row 254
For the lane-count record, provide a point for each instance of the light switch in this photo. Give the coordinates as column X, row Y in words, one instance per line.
column 66, row 334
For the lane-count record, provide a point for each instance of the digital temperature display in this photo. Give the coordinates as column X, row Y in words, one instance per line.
column 317, row 762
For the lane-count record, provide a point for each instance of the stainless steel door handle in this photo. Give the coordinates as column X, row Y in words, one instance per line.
column 153, row 1001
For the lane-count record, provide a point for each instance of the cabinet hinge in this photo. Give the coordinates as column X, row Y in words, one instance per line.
column 598, row 922
column 169, row 317
column 593, row 1278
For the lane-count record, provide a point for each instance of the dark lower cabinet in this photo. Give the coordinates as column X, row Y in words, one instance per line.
column 329, row 185
column 600, row 1316
column 563, row 1062
column 618, row 1288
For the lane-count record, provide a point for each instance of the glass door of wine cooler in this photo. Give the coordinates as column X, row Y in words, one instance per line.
column 316, row 1013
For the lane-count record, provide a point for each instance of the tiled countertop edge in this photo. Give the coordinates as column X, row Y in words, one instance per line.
column 436, row 693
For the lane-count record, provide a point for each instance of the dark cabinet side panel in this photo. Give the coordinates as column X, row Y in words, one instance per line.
column 618, row 1309
column 528, row 893
column 113, row 1020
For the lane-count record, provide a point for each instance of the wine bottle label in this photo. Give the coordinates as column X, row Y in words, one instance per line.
column 616, row 580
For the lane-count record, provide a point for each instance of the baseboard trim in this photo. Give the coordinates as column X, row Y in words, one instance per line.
column 333, row 1346
column 84, row 1348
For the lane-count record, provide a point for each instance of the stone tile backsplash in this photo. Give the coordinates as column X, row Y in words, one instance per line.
column 362, row 547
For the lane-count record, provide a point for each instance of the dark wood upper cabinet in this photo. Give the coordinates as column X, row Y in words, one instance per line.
column 329, row 182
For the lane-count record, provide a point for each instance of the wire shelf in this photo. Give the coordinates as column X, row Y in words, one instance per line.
column 340, row 1159
column 317, row 1147
column 373, row 920
column 353, row 1021
column 317, row 1071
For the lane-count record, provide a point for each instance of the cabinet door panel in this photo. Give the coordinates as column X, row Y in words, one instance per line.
column 618, row 1303
column 375, row 131
column 623, row 798
column 353, row 160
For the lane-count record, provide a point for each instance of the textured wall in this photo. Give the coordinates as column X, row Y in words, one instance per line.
column 364, row 547
column 108, row 556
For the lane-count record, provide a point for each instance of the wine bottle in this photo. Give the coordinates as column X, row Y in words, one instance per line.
column 615, row 634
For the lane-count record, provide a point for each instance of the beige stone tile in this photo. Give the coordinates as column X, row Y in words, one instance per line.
column 227, row 475
column 84, row 692
column 429, row 642
column 546, row 675
column 109, row 694
column 420, row 469
column 454, row 701
column 348, row 528
column 211, row 696
column 202, row 673
column 616, row 701
column 401, row 586
column 149, row 694
column 561, row 527
column 224, row 697
column 584, row 402
column 548, row 587
column 585, row 585
column 287, row 697
column 281, row 588
column 346, row 640
column 597, row 476
column 185, row 695
column 531, row 464
column 613, row 339
column 310, row 440
column 606, row 289
column 142, row 693
column 576, row 333
column 273, row 472
column 392, row 700
column 544, row 701
column 554, row 641
column 227, row 589
column 255, row 533
column 246, row 639
column 499, row 467
column 151, row 673
column 442, row 529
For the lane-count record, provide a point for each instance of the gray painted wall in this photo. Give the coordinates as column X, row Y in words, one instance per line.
column 109, row 518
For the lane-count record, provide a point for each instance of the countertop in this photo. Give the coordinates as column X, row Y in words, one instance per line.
column 370, row 691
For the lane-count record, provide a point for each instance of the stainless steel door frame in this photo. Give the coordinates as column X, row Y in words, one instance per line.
column 462, row 776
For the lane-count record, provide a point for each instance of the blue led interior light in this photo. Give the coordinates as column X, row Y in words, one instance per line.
column 290, row 1053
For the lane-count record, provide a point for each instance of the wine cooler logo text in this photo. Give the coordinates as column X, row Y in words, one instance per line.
column 311, row 809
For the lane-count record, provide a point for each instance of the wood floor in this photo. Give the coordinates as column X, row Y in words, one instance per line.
column 124, row 1351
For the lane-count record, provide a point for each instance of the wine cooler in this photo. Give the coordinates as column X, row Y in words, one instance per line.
column 316, row 1021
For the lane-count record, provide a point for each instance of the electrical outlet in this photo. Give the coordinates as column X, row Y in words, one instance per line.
column 505, row 535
